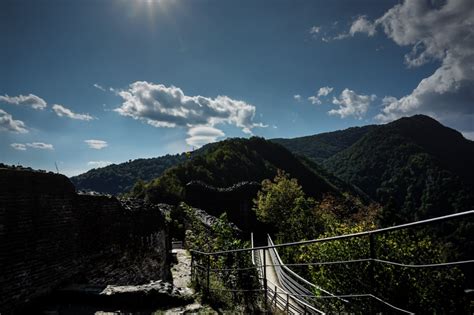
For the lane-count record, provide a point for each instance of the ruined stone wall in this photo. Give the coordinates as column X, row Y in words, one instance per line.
column 235, row 200
column 48, row 233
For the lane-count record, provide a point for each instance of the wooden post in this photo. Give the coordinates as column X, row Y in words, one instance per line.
column 287, row 303
column 265, row 278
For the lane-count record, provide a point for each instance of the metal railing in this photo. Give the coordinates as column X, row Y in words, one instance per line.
column 296, row 295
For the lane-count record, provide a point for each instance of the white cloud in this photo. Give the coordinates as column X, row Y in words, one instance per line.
column 323, row 91
column 314, row 100
column 97, row 164
column 468, row 135
column 34, row 145
column 98, row 86
column 297, row 97
column 96, row 144
column 18, row 146
column 440, row 31
column 32, row 100
column 362, row 25
column 351, row 104
column 444, row 33
column 201, row 135
column 315, row 29
column 162, row 106
column 7, row 123
column 40, row 145
column 62, row 111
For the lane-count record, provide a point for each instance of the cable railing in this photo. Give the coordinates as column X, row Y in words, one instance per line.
column 300, row 288
column 290, row 292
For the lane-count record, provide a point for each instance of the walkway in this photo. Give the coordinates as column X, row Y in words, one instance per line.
column 286, row 298
column 181, row 271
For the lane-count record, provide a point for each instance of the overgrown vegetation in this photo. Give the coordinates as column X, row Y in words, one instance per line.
column 415, row 167
column 324, row 145
column 233, row 283
column 232, row 161
column 120, row 178
column 295, row 216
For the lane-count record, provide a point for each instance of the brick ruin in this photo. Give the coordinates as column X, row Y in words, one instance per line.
column 49, row 234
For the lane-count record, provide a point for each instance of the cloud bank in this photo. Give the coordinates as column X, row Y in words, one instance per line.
column 163, row 106
column 436, row 31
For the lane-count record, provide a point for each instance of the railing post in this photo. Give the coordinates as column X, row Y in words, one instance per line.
column 276, row 291
column 372, row 269
column 192, row 266
column 208, row 273
column 287, row 303
column 265, row 278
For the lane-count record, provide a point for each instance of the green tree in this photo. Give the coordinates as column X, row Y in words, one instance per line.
column 283, row 205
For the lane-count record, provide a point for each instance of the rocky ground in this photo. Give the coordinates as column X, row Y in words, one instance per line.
column 181, row 272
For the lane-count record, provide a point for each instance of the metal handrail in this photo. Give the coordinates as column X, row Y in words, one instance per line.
column 297, row 291
column 339, row 237
column 294, row 273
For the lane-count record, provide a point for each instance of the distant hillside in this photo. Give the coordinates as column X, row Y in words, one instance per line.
column 414, row 166
column 324, row 145
column 120, row 178
column 235, row 160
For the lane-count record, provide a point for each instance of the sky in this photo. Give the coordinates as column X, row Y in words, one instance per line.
column 87, row 83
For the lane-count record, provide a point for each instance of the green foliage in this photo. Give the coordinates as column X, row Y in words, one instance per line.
column 414, row 166
column 232, row 161
column 324, row 145
column 120, row 178
column 431, row 290
column 283, row 204
column 228, row 272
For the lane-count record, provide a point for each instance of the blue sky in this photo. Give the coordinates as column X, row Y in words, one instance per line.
column 85, row 83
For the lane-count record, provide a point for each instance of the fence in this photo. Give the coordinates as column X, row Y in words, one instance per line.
column 283, row 288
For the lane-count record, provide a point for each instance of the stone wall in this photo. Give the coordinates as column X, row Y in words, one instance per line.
column 49, row 234
column 235, row 200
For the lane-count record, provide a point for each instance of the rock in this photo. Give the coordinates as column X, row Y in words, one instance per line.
column 153, row 294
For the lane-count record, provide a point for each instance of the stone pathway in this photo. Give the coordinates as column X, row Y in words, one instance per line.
column 181, row 271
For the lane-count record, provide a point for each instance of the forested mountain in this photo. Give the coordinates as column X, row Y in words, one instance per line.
column 321, row 146
column 120, row 178
column 234, row 160
column 414, row 166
